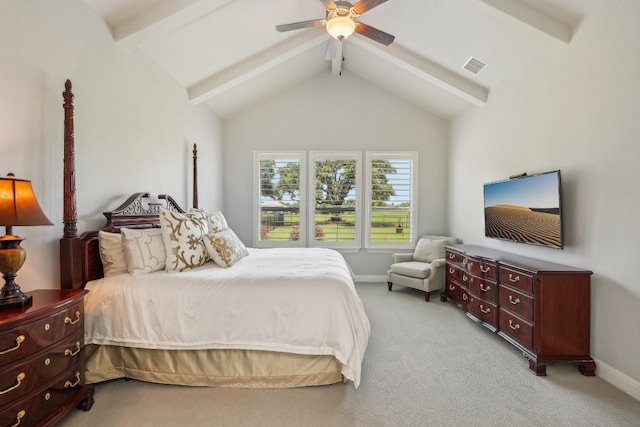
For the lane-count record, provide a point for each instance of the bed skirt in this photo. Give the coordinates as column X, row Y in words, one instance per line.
column 215, row 368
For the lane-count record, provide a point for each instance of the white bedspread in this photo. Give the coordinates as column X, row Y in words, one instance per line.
column 289, row 300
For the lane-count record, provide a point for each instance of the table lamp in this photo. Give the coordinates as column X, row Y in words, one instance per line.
column 18, row 206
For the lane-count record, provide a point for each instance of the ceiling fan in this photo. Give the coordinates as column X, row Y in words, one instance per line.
column 340, row 22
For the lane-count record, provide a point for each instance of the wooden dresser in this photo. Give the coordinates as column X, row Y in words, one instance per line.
column 41, row 359
column 542, row 308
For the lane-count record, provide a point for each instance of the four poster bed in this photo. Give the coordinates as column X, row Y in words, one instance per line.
column 271, row 318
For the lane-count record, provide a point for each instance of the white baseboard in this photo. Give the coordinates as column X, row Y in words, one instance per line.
column 370, row 278
column 618, row 379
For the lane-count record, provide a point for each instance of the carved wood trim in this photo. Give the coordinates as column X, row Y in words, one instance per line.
column 70, row 214
column 195, row 176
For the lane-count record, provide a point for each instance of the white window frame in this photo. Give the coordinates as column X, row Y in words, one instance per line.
column 258, row 156
column 346, row 247
column 370, row 156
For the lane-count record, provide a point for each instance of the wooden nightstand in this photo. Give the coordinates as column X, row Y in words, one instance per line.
column 41, row 359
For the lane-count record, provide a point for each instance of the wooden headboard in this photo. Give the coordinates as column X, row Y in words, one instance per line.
column 79, row 254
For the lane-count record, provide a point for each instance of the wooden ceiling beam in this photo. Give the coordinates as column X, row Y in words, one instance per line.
column 161, row 19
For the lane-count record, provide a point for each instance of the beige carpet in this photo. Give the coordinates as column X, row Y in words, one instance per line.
column 427, row 364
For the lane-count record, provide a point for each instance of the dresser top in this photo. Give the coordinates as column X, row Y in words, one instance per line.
column 44, row 301
column 507, row 258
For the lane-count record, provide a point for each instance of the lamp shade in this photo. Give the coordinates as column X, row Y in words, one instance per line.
column 18, row 203
column 341, row 27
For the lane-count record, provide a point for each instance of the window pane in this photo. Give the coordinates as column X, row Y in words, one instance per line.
column 279, row 199
column 335, row 200
column 391, row 200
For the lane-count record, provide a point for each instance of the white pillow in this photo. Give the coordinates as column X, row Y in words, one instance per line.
column 214, row 219
column 428, row 250
column 225, row 247
column 111, row 253
column 144, row 250
column 183, row 240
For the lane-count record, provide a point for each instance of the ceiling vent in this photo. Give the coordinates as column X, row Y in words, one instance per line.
column 474, row 65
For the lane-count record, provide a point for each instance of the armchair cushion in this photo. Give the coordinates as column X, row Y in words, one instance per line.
column 417, row 269
column 428, row 250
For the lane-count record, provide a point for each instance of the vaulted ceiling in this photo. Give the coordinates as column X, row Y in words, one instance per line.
column 228, row 55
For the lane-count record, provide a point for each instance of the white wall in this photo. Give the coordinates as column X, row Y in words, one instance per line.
column 330, row 112
column 575, row 109
column 134, row 126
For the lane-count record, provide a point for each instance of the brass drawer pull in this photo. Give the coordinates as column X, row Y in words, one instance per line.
column 451, row 256
column 19, row 417
column 19, row 379
column 483, row 289
column 19, row 340
column 514, row 279
column 514, row 301
column 451, row 287
column 465, row 277
column 512, row 326
column 73, row 322
column 485, row 311
column 464, row 297
column 70, row 352
column 485, row 269
column 452, row 270
column 68, row 384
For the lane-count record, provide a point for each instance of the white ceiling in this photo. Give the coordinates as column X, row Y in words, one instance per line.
column 228, row 55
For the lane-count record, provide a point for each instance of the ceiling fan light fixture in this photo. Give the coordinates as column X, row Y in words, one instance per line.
column 341, row 27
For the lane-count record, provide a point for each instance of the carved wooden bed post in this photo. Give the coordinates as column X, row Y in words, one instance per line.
column 80, row 254
column 70, row 270
column 195, row 176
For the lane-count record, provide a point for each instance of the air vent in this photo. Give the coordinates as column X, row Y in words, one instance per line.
column 474, row 65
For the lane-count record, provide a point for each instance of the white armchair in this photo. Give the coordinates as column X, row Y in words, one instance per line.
column 422, row 269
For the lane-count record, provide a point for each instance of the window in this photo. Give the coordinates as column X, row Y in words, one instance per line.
column 391, row 199
column 329, row 204
column 334, row 208
column 279, row 190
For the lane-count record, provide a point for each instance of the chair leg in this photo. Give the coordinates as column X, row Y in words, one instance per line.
column 426, row 296
column 389, row 284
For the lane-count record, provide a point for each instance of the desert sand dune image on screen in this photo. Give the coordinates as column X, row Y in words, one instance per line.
column 523, row 224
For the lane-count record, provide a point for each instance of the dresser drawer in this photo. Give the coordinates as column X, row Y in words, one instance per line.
column 43, row 402
column 516, row 328
column 516, row 278
column 516, row 302
column 22, row 378
column 457, row 293
column 482, row 268
column 453, row 272
column 27, row 339
column 483, row 310
column 484, row 289
column 454, row 257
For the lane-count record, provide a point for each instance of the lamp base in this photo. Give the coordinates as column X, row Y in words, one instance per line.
column 14, row 299
column 12, row 257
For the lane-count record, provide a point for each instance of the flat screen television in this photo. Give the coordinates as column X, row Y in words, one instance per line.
column 525, row 209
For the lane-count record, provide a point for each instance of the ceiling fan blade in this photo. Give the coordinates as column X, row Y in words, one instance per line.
column 299, row 25
column 328, row 4
column 363, row 5
column 332, row 48
column 374, row 34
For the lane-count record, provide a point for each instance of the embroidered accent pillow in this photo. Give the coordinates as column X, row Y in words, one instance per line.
column 214, row 219
column 112, row 253
column 225, row 247
column 183, row 240
column 144, row 250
